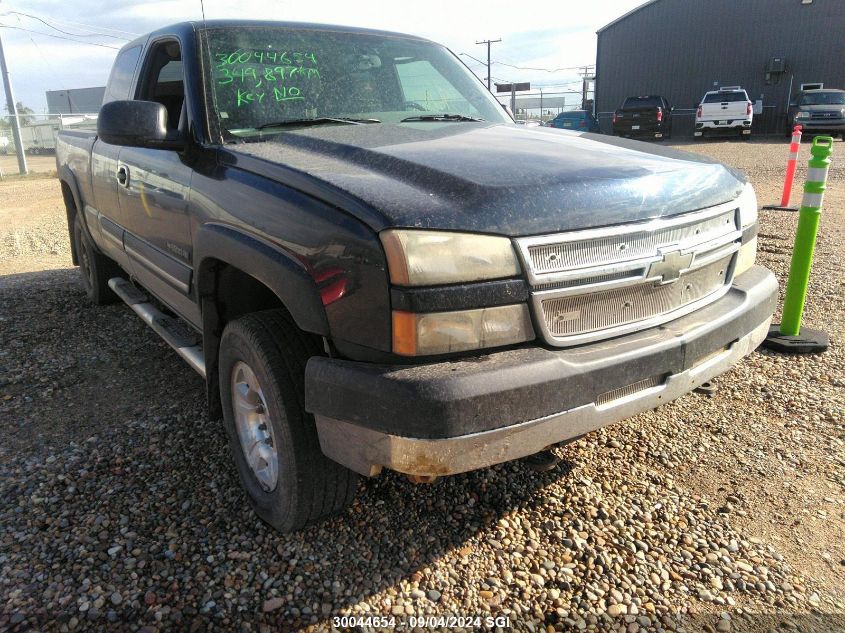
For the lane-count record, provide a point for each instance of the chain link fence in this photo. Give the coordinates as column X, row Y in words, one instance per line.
column 38, row 131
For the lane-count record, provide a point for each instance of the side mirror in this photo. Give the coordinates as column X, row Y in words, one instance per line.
column 136, row 124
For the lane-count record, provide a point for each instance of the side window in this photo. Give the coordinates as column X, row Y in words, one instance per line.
column 163, row 81
column 120, row 79
column 424, row 86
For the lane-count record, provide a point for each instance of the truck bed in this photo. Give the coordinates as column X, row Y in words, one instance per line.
column 73, row 150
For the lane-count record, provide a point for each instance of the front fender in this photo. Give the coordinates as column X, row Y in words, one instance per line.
column 285, row 276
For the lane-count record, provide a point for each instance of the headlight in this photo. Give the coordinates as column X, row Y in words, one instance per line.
column 444, row 332
column 746, row 257
column 802, row 115
column 427, row 258
column 747, row 206
column 747, row 202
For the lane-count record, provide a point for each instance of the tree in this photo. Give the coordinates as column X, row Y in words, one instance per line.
column 24, row 113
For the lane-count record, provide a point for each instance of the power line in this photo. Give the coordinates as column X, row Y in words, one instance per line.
column 87, row 26
column 475, row 58
column 548, row 70
column 59, row 37
column 49, row 69
column 93, row 26
column 44, row 22
column 554, row 86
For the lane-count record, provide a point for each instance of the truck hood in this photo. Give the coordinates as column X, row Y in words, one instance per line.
column 491, row 178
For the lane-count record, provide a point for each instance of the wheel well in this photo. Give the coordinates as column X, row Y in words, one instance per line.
column 70, row 211
column 239, row 293
column 226, row 293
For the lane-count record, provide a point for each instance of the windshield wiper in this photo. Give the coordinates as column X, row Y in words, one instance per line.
column 323, row 120
column 441, row 117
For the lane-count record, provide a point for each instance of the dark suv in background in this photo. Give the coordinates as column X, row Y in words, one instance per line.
column 649, row 117
column 818, row 111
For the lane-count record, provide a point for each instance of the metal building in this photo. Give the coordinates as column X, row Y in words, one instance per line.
column 680, row 49
column 75, row 100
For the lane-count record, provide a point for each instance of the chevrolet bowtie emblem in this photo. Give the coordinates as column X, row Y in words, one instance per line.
column 670, row 267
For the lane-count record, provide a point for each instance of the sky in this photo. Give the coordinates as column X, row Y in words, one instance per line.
column 555, row 36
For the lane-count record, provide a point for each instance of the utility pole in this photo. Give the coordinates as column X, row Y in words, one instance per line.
column 586, row 78
column 513, row 99
column 488, row 42
column 13, row 112
column 541, row 104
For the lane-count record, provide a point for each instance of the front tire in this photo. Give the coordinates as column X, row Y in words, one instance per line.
column 273, row 440
column 96, row 269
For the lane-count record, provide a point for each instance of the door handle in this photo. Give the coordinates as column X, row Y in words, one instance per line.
column 123, row 175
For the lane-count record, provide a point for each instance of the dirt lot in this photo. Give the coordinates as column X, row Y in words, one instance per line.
column 35, row 164
column 120, row 508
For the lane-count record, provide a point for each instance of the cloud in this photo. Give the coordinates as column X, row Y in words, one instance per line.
column 548, row 37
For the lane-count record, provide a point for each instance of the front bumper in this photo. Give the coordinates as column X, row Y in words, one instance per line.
column 821, row 126
column 452, row 417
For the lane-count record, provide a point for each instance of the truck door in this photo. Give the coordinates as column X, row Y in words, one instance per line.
column 154, row 193
column 104, row 218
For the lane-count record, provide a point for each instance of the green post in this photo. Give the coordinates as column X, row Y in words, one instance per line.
column 805, row 237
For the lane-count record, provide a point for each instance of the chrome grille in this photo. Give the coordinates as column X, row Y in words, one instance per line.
column 629, row 390
column 832, row 114
column 601, row 251
column 594, row 284
column 571, row 283
column 584, row 313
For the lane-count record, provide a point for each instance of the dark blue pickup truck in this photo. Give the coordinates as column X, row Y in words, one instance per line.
column 373, row 267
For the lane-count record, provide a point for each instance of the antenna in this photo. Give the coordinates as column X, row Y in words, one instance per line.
column 202, row 8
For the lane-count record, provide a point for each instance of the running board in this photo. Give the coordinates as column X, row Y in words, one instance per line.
column 175, row 333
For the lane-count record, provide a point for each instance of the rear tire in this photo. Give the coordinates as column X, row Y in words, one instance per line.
column 96, row 269
column 262, row 388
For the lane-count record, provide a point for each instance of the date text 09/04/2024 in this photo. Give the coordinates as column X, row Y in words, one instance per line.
column 425, row 621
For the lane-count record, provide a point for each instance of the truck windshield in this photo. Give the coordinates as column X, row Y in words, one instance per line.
column 823, row 98
column 259, row 75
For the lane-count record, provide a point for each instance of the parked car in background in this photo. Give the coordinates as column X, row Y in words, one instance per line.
column 580, row 120
column 726, row 111
column 818, row 111
column 649, row 116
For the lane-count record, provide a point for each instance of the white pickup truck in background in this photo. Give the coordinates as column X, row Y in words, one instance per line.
column 727, row 110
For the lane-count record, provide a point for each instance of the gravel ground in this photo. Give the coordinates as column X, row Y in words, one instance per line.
column 120, row 508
